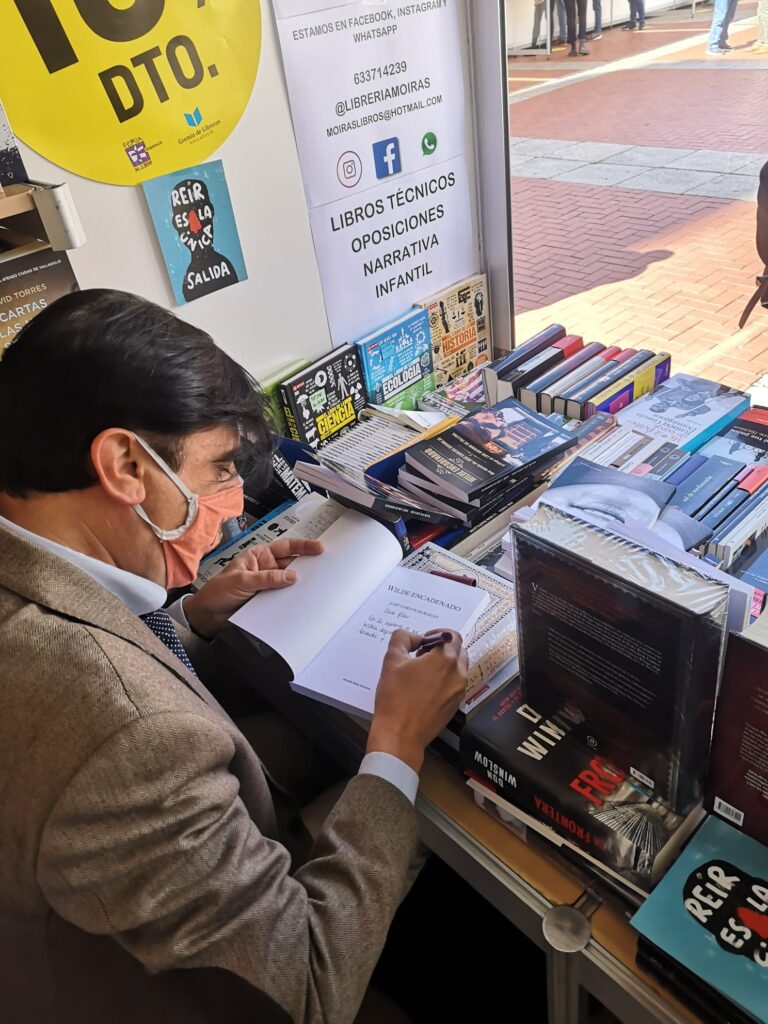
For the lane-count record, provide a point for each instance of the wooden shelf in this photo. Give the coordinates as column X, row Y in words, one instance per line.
column 17, row 199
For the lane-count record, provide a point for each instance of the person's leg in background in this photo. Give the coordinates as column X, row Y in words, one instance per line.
column 632, row 17
column 562, row 21
column 729, row 16
column 570, row 10
column 640, row 10
column 762, row 25
column 597, row 7
column 581, row 8
column 719, row 26
column 538, row 14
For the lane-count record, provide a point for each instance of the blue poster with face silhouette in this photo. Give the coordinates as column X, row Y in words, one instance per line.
column 196, row 229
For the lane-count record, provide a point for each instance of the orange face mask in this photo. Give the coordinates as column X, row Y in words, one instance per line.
column 185, row 547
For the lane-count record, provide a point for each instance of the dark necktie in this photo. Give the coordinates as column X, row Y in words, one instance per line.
column 161, row 624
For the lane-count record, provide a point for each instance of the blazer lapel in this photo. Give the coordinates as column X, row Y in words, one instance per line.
column 52, row 582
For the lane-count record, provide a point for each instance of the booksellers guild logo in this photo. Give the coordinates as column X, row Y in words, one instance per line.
column 732, row 906
column 136, row 151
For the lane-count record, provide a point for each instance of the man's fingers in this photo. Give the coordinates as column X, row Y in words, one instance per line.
column 403, row 642
column 248, row 583
column 291, row 547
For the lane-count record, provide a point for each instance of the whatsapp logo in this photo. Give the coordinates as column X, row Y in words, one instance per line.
column 429, row 143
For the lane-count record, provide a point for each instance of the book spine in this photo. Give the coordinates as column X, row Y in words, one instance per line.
column 290, row 413
column 544, row 339
column 531, row 395
column 618, row 360
column 689, row 466
column 704, row 484
column 694, row 443
column 582, row 396
column 631, row 386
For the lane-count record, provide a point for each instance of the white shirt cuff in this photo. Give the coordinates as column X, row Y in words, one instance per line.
column 393, row 770
column 176, row 611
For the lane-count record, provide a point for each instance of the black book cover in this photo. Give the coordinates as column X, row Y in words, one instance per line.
column 325, row 398
column 542, row 763
column 737, row 785
column 632, row 638
column 470, row 458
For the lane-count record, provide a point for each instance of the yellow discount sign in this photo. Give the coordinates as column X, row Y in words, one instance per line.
column 123, row 90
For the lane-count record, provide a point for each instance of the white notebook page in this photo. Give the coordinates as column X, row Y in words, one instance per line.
column 345, row 673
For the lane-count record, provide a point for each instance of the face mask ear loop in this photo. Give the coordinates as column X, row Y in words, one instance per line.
column 189, row 495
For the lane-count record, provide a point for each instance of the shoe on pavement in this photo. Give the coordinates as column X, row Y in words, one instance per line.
column 573, row 52
column 629, row 27
column 727, row 47
column 599, row 35
column 583, row 51
column 715, row 51
column 641, row 26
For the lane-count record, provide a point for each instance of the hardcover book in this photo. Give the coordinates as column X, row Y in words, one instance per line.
column 458, row 328
column 745, row 439
column 270, row 386
column 684, row 409
column 542, row 764
column 737, row 785
column 631, row 386
column 631, row 637
column 397, row 361
column 325, row 398
column 474, row 455
column 531, row 394
column 510, row 385
column 577, row 402
column 710, row 913
column 333, row 629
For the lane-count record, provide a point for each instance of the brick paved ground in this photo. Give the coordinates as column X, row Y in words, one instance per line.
column 667, row 271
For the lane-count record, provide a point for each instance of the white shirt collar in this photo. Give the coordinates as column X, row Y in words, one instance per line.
column 139, row 594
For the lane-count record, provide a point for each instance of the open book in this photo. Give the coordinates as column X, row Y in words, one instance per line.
column 333, row 625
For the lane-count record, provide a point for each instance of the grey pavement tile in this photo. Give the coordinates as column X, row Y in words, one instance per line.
column 544, row 167
column 651, row 156
column 754, row 163
column 601, row 174
column 711, row 160
column 666, row 179
column 591, row 152
column 727, row 186
column 538, row 147
column 515, row 159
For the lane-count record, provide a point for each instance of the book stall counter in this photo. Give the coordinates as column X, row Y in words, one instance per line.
column 520, row 880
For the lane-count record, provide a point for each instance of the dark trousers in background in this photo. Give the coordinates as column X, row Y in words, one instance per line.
column 637, row 12
column 572, row 8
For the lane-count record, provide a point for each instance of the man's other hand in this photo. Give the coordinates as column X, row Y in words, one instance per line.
column 416, row 697
column 261, row 567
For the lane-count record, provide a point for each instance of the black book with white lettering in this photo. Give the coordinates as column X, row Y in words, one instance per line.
column 325, row 398
column 542, row 767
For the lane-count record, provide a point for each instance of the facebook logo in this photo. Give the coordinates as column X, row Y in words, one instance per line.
column 386, row 157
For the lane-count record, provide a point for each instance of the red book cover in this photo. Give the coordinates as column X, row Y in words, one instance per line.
column 737, row 787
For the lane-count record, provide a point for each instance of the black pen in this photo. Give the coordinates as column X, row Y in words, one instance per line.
column 432, row 642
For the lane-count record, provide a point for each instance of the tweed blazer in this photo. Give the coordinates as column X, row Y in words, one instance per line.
column 142, row 878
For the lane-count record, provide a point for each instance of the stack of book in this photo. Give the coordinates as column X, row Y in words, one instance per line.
column 556, row 372
column 704, row 930
column 538, row 768
column 484, row 463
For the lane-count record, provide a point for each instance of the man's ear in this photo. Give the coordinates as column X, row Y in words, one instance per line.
column 115, row 455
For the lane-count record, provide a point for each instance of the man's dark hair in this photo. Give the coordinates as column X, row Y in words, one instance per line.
column 100, row 358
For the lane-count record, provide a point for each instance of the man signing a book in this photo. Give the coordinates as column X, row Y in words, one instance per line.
column 142, row 873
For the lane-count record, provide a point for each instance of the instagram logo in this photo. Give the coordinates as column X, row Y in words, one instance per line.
column 349, row 169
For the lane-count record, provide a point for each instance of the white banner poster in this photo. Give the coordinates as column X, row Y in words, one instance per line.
column 376, row 89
